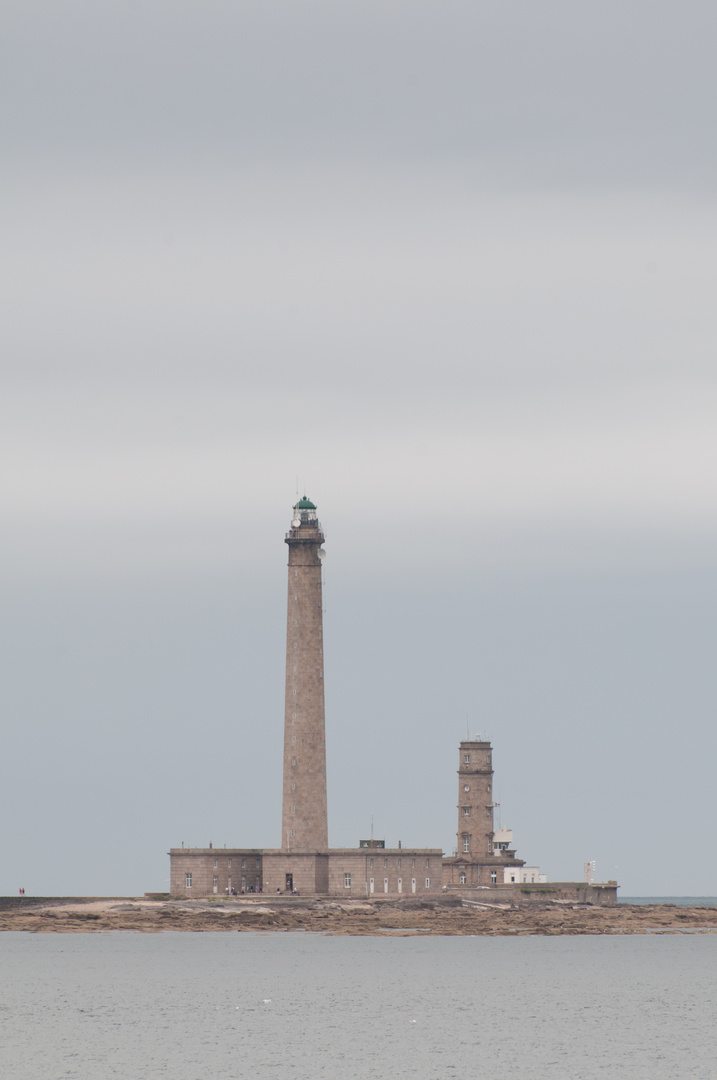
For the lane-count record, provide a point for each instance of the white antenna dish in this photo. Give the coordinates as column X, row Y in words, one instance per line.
column 296, row 522
column 322, row 553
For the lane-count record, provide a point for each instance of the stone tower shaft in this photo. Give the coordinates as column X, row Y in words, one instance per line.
column 475, row 800
column 303, row 824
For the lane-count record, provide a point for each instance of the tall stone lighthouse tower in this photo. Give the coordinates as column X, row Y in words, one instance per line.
column 303, row 822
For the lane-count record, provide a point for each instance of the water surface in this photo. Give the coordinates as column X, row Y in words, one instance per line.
column 251, row 1005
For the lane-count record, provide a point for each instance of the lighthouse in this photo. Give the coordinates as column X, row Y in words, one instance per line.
column 303, row 822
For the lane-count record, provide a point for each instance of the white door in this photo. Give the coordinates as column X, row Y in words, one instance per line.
column 370, row 885
column 385, row 884
column 413, row 884
column 400, row 885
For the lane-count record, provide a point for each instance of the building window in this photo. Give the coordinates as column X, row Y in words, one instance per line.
column 229, row 863
column 466, row 810
column 229, row 884
column 216, row 863
column 243, row 863
column 399, row 864
column 215, row 883
column 494, row 877
column 413, row 864
column 347, row 881
column 466, row 843
column 462, row 879
column 293, row 738
column 293, row 761
column 293, row 809
column 428, row 883
column 293, row 785
column 257, row 864
column 370, row 885
column 187, row 881
column 466, row 758
column 385, row 862
column 428, row 863
column 292, row 832
column 370, row 863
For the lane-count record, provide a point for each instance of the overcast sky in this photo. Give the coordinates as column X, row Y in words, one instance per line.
column 449, row 266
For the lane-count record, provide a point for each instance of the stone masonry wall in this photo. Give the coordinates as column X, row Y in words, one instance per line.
column 304, row 823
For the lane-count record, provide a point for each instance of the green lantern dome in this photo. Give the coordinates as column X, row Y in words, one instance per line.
column 304, row 504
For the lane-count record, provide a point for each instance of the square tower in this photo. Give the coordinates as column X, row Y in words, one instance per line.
column 475, row 801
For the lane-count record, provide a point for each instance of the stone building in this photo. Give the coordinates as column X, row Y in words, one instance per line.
column 478, row 861
column 304, row 862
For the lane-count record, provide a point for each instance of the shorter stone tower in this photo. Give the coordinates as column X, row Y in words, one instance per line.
column 477, row 862
column 475, row 801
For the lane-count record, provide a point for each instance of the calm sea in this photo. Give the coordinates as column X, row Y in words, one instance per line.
column 678, row 901
column 247, row 1005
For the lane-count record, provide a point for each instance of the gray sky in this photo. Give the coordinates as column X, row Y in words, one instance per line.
column 451, row 264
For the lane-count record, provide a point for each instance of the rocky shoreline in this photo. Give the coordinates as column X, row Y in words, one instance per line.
column 379, row 918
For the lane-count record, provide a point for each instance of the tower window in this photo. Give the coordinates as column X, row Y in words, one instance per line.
column 494, row 877
column 466, row 843
column 229, row 864
column 293, row 761
column 293, row 785
column 428, row 883
column 466, row 757
column 293, row 809
column 466, row 810
column 187, row 881
column 462, row 879
column 216, row 864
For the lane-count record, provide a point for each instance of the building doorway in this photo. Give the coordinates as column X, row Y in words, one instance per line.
column 290, row 883
column 370, row 885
